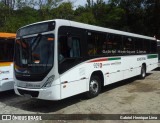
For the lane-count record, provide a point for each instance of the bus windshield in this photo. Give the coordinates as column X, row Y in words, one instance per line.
column 34, row 55
column 6, row 50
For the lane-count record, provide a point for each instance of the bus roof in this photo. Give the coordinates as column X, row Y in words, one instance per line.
column 93, row 27
column 7, row 35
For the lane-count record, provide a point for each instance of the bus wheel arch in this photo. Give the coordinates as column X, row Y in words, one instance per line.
column 96, row 82
column 143, row 71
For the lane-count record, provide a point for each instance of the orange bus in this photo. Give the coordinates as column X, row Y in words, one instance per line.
column 6, row 60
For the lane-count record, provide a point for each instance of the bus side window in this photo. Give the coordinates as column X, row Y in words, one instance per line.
column 96, row 43
column 69, row 47
column 128, row 45
column 116, row 44
column 91, row 44
column 74, row 47
column 109, row 39
column 153, row 45
column 146, row 46
column 139, row 46
column 62, row 47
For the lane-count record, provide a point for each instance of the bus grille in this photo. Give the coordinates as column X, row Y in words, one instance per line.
column 32, row 93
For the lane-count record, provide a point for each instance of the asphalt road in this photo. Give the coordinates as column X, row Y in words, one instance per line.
column 132, row 96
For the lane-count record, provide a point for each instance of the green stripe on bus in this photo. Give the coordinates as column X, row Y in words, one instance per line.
column 112, row 59
column 152, row 56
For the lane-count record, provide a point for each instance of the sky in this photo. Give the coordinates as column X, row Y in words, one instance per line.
column 80, row 2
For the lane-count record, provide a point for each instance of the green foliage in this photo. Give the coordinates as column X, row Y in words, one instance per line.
column 86, row 17
column 137, row 16
column 63, row 11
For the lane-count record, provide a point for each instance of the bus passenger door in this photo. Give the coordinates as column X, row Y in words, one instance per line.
column 71, row 69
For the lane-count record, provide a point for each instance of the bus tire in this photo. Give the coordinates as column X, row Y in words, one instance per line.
column 94, row 87
column 143, row 72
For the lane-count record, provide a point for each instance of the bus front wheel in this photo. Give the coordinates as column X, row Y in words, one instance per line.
column 94, row 87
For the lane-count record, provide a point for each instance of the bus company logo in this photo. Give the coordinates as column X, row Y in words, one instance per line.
column 6, row 117
column 97, row 65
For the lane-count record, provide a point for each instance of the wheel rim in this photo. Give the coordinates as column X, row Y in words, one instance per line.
column 94, row 86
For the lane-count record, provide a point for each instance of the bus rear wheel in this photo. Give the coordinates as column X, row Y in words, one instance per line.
column 94, row 87
column 143, row 72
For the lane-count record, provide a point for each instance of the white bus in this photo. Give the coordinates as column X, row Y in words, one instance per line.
column 57, row 59
column 6, row 60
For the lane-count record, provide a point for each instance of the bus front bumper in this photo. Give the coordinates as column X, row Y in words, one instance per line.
column 50, row 93
column 6, row 85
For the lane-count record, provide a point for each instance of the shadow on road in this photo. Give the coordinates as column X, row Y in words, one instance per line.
column 122, row 83
column 43, row 106
column 9, row 98
column 7, row 95
column 157, row 69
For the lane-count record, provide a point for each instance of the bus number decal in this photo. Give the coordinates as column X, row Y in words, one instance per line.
column 97, row 65
column 141, row 59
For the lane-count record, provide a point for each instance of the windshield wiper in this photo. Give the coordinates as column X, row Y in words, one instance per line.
column 36, row 41
column 22, row 49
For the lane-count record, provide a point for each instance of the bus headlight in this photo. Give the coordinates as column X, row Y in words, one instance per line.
column 49, row 81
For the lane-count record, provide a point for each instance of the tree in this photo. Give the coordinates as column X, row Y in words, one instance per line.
column 20, row 18
column 63, row 11
column 152, row 21
column 136, row 16
column 45, row 8
column 5, row 13
column 86, row 17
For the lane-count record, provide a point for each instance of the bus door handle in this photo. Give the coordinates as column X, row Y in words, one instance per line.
column 83, row 78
